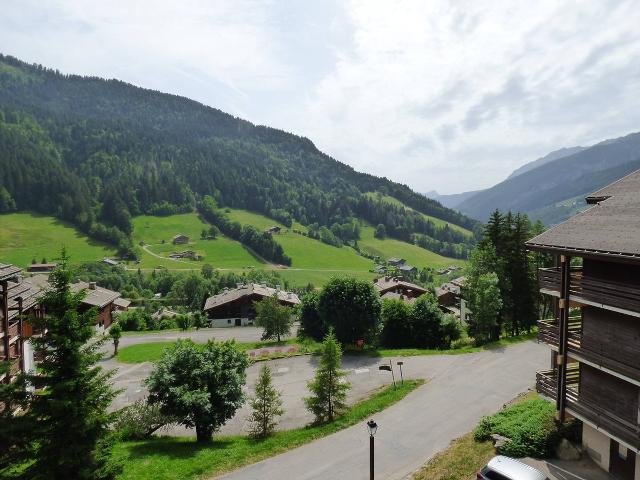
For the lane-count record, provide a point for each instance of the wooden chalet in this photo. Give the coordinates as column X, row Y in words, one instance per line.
column 398, row 286
column 235, row 307
column 18, row 298
column 180, row 240
column 595, row 330
column 396, row 262
column 104, row 300
column 273, row 229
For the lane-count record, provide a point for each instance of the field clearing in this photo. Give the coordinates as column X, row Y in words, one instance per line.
column 25, row 236
column 222, row 252
column 439, row 222
column 413, row 254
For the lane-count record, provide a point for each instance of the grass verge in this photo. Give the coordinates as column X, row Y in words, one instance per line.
column 170, row 458
column 411, row 352
column 460, row 461
column 151, row 352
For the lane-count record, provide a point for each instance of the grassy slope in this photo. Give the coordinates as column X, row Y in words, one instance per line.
column 173, row 458
column 435, row 220
column 221, row 252
column 413, row 254
column 25, row 236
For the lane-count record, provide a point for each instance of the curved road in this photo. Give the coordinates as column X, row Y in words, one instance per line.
column 462, row 389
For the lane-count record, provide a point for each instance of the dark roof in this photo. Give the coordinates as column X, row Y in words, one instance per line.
column 385, row 284
column 610, row 228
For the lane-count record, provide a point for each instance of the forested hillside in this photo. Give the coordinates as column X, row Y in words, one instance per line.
column 96, row 152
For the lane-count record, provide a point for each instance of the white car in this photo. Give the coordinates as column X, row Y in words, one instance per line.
column 505, row 468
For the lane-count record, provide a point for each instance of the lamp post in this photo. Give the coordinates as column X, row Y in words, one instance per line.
column 372, row 426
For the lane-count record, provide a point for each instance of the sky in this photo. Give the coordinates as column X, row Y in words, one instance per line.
column 439, row 95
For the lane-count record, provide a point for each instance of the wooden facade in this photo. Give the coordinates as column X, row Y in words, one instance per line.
column 595, row 332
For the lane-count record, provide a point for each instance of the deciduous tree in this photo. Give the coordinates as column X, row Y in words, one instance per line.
column 274, row 318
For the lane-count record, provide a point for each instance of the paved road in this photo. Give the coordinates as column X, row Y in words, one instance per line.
column 461, row 390
column 241, row 334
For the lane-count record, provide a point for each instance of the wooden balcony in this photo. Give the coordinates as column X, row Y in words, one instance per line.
column 595, row 413
column 592, row 291
column 549, row 334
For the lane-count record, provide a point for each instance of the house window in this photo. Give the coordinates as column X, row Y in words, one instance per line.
column 229, row 321
column 622, row 452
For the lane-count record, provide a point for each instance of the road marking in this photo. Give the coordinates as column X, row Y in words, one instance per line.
column 283, row 369
column 358, row 371
column 565, row 471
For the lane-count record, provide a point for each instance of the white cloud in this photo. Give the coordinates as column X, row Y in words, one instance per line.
column 440, row 95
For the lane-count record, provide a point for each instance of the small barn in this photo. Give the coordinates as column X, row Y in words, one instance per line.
column 180, row 240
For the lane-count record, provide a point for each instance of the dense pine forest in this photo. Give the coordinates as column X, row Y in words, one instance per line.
column 96, row 152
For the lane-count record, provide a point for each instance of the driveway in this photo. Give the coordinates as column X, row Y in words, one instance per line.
column 462, row 389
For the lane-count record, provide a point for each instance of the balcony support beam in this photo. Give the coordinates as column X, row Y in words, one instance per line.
column 563, row 330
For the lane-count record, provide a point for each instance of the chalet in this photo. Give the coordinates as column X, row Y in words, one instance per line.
column 274, row 229
column 110, row 261
column 18, row 297
column 396, row 262
column 100, row 298
column 397, row 296
column 595, row 330
column 395, row 285
column 235, row 307
column 447, row 295
column 41, row 267
column 180, row 240
column 408, row 269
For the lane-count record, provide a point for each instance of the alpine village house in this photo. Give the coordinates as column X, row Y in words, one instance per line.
column 595, row 332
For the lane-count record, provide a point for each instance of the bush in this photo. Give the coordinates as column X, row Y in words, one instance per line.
column 463, row 343
column 183, row 321
column 140, row 420
column 133, row 320
column 167, row 323
column 528, row 424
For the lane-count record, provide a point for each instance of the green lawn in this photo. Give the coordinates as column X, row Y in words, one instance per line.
column 183, row 459
column 25, row 236
column 437, row 221
column 151, row 352
column 222, row 252
column 412, row 352
column 413, row 254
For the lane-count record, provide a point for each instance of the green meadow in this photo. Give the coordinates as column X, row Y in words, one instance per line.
column 28, row 236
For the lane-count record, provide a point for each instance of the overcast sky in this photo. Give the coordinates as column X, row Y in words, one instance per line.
column 441, row 95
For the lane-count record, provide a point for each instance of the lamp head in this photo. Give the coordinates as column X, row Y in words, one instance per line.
column 372, row 426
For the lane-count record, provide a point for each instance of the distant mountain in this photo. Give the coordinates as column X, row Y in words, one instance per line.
column 451, row 200
column 96, row 152
column 543, row 191
column 555, row 155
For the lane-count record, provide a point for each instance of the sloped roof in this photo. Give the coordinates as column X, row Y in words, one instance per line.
column 611, row 227
column 24, row 291
column 98, row 297
column 122, row 302
column 397, row 296
column 384, row 284
column 8, row 271
column 247, row 290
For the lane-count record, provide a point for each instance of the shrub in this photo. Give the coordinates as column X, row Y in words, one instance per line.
column 463, row 343
column 528, row 424
column 167, row 323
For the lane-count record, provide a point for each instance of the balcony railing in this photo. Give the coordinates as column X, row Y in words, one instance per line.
column 596, row 413
column 595, row 290
column 548, row 333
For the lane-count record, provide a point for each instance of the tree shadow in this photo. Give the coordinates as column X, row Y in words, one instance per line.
column 174, row 448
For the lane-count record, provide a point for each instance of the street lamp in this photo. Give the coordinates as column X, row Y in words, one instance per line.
column 372, row 426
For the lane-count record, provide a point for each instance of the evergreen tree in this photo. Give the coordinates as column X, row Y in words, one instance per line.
column 381, row 232
column 266, row 405
column 73, row 393
column 275, row 319
column 485, row 306
column 328, row 388
column 17, row 433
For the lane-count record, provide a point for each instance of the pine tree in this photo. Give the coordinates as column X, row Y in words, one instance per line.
column 74, row 393
column 328, row 388
column 266, row 405
column 17, row 432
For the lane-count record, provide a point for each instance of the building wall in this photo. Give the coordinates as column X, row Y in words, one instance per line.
column 229, row 322
column 619, row 272
column 619, row 396
column 597, row 446
column 611, row 334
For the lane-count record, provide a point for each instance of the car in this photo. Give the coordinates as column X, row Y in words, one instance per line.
column 505, row 468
